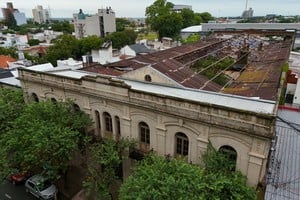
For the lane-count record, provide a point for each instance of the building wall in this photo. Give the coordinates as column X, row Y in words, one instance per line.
column 40, row 15
column 127, row 51
column 93, row 25
column 156, row 77
column 20, row 18
column 109, row 19
column 248, row 133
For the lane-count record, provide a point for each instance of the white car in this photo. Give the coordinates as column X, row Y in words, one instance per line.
column 40, row 187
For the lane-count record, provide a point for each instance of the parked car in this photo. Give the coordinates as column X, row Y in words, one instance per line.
column 19, row 178
column 40, row 187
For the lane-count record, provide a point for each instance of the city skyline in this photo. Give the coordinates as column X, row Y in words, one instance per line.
column 136, row 8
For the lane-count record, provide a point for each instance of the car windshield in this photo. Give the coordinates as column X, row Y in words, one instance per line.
column 44, row 185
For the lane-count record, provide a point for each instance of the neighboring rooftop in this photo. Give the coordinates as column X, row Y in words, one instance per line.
column 282, row 180
column 3, row 61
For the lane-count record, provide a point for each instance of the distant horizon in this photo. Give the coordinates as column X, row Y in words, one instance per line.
column 136, row 8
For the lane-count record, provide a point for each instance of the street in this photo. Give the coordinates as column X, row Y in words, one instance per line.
column 16, row 192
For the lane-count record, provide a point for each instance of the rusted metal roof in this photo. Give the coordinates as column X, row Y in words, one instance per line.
column 258, row 54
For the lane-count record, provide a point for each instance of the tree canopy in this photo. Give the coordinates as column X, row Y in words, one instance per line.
column 105, row 159
column 44, row 136
column 191, row 38
column 168, row 23
column 66, row 46
column 89, row 43
column 120, row 39
column 62, row 26
column 121, row 23
column 169, row 178
column 11, row 106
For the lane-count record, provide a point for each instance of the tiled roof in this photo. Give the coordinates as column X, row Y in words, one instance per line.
column 4, row 59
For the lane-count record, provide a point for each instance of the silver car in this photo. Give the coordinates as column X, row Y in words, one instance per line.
column 40, row 187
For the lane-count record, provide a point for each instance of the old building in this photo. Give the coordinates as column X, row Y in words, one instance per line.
column 223, row 90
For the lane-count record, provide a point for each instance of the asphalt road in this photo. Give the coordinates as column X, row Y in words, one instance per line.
column 15, row 192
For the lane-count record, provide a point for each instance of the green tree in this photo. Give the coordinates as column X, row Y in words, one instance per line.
column 104, row 161
column 121, row 23
column 166, row 178
column 33, row 42
column 62, row 26
column 162, row 19
column 89, row 43
column 46, row 135
column 188, row 17
column 158, row 178
column 66, row 46
column 206, row 16
column 191, row 39
column 223, row 181
column 11, row 106
column 120, row 39
column 170, row 26
column 11, row 51
column 132, row 35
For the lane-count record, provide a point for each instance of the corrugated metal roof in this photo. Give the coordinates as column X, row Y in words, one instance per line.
column 259, row 77
column 72, row 73
column 283, row 177
column 226, row 100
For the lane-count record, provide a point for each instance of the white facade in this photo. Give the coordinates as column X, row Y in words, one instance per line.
column 47, row 36
column 40, row 15
column 100, row 24
column 20, row 18
column 13, row 40
column 127, row 51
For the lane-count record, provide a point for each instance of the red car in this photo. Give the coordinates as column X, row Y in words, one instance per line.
column 19, row 178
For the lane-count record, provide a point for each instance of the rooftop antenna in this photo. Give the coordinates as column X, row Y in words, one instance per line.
column 246, row 5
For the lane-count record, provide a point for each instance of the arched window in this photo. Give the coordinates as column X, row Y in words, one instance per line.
column 148, row 78
column 76, row 107
column 108, row 122
column 230, row 154
column 182, row 144
column 53, row 100
column 34, row 97
column 118, row 126
column 144, row 132
column 97, row 122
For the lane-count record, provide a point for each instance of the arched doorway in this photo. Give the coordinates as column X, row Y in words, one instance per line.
column 144, row 134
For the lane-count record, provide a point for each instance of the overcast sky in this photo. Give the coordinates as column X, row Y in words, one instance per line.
column 136, row 8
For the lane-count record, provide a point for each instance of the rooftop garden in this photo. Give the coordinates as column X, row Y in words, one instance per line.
column 213, row 68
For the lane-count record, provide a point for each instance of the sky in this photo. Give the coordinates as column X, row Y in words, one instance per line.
column 136, row 8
